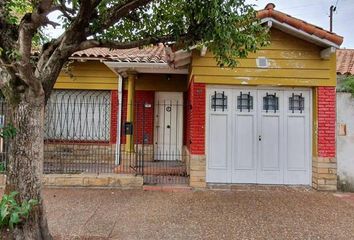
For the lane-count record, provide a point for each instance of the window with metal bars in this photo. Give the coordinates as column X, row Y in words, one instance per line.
column 78, row 115
column 270, row 102
column 296, row 103
column 219, row 101
column 245, row 102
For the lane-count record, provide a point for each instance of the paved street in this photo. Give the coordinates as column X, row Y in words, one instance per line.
column 242, row 213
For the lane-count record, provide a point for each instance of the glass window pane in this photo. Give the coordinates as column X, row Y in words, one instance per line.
column 296, row 103
column 219, row 101
column 270, row 102
column 245, row 102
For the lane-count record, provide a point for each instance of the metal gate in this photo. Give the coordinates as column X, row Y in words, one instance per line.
column 81, row 137
column 157, row 133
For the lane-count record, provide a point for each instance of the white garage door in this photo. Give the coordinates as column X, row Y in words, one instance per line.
column 258, row 136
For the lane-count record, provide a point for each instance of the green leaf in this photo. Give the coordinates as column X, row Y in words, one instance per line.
column 12, row 212
column 14, row 219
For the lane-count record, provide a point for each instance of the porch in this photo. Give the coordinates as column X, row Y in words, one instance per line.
column 137, row 129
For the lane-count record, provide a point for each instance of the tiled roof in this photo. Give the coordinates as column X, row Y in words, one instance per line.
column 152, row 54
column 345, row 61
column 269, row 12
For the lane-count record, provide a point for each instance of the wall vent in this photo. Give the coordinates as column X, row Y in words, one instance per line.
column 262, row 62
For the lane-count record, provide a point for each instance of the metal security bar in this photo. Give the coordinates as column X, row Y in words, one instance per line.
column 296, row 103
column 77, row 132
column 245, row 101
column 158, row 136
column 219, row 101
column 80, row 136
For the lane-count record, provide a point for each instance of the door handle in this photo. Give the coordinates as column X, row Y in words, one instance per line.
column 259, row 138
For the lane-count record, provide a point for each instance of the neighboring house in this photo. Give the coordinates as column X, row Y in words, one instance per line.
column 176, row 117
column 345, row 120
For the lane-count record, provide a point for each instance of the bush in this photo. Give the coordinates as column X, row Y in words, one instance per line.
column 346, row 85
column 12, row 213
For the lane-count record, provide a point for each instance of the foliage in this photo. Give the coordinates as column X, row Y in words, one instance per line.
column 229, row 28
column 2, row 167
column 13, row 213
column 16, row 9
column 346, row 85
column 8, row 131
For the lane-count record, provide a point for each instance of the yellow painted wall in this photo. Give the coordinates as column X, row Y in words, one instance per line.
column 89, row 75
column 94, row 75
column 293, row 62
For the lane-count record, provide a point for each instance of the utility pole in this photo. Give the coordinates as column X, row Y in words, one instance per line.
column 332, row 9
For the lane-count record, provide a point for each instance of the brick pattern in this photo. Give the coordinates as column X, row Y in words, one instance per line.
column 326, row 122
column 194, row 136
column 324, row 165
column 140, row 126
column 195, row 119
column 114, row 116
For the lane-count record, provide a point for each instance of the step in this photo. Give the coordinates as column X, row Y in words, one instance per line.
column 168, row 188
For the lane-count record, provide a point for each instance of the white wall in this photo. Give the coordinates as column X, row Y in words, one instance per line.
column 345, row 143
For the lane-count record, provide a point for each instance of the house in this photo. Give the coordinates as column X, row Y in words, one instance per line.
column 176, row 117
column 345, row 121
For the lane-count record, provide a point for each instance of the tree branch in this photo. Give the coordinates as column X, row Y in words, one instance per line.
column 126, row 45
column 121, row 10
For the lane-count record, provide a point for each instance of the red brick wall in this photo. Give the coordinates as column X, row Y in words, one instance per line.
column 326, row 121
column 141, row 97
column 195, row 119
column 114, row 115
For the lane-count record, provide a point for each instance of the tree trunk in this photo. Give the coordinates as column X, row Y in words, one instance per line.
column 25, row 165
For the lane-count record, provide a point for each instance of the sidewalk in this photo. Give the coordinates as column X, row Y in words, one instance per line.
column 272, row 213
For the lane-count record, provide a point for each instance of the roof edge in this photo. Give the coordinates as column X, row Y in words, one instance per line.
column 299, row 24
column 300, row 33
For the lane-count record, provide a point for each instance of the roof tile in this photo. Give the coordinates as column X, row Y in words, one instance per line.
column 154, row 54
column 345, row 61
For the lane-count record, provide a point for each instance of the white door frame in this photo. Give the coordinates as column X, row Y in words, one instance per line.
column 214, row 87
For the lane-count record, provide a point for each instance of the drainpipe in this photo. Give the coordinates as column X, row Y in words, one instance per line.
column 119, row 120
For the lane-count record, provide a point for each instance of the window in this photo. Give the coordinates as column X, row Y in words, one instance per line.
column 77, row 115
column 296, row 103
column 270, row 102
column 245, row 102
column 219, row 101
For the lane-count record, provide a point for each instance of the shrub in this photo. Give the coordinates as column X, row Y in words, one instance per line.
column 12, row 213
column 346, row 85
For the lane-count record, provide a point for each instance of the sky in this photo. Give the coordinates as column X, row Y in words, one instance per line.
column 312, row 11
column 317, row 13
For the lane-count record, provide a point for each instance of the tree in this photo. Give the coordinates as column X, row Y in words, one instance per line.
column 229, row 28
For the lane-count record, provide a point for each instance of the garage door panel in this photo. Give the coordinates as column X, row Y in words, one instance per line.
column 296, row 143
column 270, row 151
column 218, row 133
column 244, row 144
column 297, row 138
column 244, row 152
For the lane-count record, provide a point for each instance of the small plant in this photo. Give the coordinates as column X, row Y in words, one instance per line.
column 8, row 131
column 2, row 167
column 12, row 213
column 346, row 85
